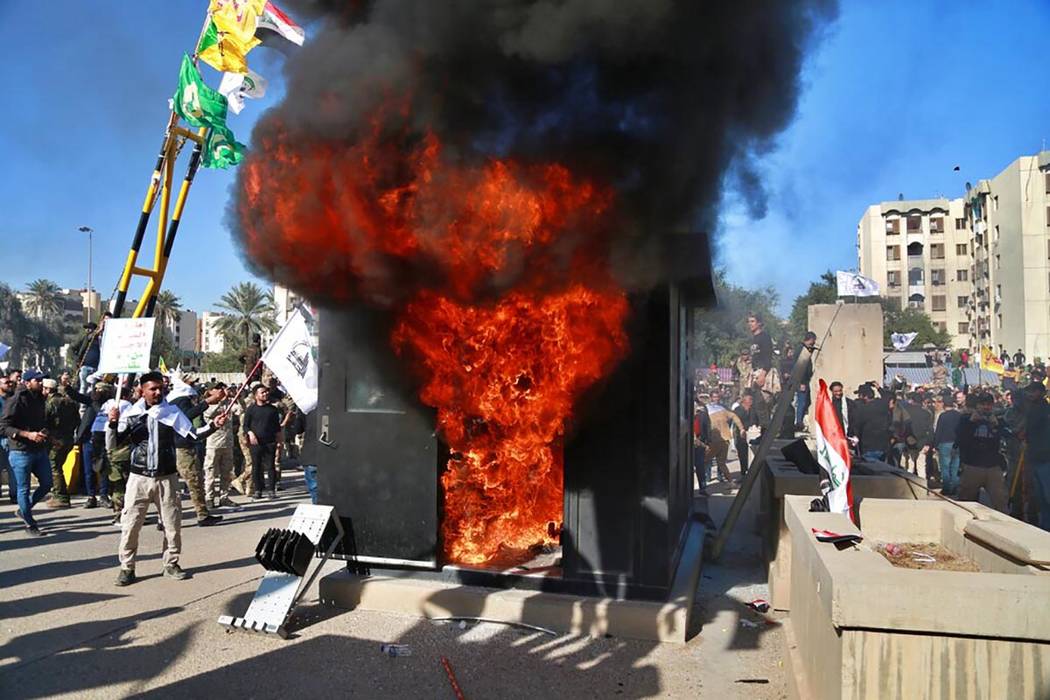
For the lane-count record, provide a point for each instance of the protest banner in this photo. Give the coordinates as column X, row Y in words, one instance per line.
column 126, row 343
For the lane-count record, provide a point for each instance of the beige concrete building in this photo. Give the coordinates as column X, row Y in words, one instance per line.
column 210, row 339
column 978, row 265
column 1009, row 219
column 919, row 253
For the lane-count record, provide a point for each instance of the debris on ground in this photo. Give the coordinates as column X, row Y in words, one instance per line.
column 929, row 555
column 759, row 605
column 395, row 649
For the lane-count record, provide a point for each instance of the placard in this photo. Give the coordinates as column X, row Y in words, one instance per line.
column 126, row 343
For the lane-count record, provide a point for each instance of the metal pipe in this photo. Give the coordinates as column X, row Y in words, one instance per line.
column 803, row 362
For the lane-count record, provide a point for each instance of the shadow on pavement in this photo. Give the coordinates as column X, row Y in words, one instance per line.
column 36, row 605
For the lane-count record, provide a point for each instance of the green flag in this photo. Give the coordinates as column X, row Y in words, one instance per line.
column 195, row 102
column 221, row 150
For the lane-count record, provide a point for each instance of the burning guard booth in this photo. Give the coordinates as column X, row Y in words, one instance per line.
column 629, row 530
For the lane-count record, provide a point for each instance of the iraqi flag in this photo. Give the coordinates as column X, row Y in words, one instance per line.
column 273, row 19
column 833, row 455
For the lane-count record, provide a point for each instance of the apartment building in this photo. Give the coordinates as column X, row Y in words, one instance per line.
column 919, row 253
column 183, row 330
column 979, row 265
column 210, row 339
column 1009, row 219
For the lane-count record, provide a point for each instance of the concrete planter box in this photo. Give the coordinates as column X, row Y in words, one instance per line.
column 782, row 478
column 863, row 628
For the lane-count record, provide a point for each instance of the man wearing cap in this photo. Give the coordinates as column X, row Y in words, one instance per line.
column 89, row 350
column 218, row 456
column 23, row 424
column 149, row 427
column 189, row 466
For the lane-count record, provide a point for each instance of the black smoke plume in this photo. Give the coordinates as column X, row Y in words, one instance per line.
column 657, row 98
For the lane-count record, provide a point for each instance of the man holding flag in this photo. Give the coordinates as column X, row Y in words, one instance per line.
column 833, row 455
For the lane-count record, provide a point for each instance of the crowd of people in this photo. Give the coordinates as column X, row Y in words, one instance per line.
column 138, row 439
column 962, row 439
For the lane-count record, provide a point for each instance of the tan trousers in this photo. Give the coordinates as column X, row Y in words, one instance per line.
column 991, row 478
column 218, row 472
column 140, row 492
column 719, row 451
column 190, row 471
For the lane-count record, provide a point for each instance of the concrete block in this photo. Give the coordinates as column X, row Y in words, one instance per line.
column 866, row 629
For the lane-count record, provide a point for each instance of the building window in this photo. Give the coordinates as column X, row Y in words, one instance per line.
column 995, row 203
column 961, row 249
column 1048, row 217
column 964, row 326
column 962, row 275
column 963, row 301
column 893, row 278
column 915, row 276
column 960, row 224
column 915, row 249
column 937, row 277
column 939, row 302
column 999, row 321
column 936, row 251
column 893, row 227
column 940, row 325
column 914, row 224
column 937, row 225
column 893, row 252
column 1048, row 183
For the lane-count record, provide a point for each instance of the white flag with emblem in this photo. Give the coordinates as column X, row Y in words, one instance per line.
column 291, row 357
column 901, row 341
column 236, row 86
column 850, row 284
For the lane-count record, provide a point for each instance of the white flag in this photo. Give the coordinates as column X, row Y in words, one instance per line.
column 291, row 357
column 851, row 284
column 236, row 86
column 902, row 340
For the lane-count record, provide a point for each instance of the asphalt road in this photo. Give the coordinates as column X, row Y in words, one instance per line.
column 66, row 630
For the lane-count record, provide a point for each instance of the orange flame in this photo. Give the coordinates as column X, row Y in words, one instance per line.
column 398, row 224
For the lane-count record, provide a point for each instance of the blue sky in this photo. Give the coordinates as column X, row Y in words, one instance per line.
column 896, row 95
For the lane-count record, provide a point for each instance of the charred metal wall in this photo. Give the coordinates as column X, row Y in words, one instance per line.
column 628, row 476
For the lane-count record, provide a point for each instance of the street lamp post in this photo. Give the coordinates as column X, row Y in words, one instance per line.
column 90, row 297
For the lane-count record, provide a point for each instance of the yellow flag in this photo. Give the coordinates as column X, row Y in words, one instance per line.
column 223, row 51
column 237, row 18
column 161, row 366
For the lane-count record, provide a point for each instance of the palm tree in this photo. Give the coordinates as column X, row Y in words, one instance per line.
column 167, row 309
column 43, row 299
column 249, row 310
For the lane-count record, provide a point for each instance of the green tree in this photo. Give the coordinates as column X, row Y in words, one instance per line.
column 43, row 300
column 226, row 361
column 720, row 332
column 249, row 310
column 168, row 309
column 823, row 291
column 33, row 342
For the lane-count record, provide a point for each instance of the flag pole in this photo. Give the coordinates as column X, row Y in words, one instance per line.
column 169, row 150
column 240, row 389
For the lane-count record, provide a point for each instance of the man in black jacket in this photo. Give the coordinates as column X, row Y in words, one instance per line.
column 24, row 425
column 262, row 425
column 150, row 428
column 978, row 437
column 870, row 423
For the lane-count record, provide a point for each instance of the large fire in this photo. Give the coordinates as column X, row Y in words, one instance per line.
column 496, row 276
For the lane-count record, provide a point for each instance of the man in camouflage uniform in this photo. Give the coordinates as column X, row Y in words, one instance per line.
column 61, row 418
column 187, row 464
column 218, row 459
